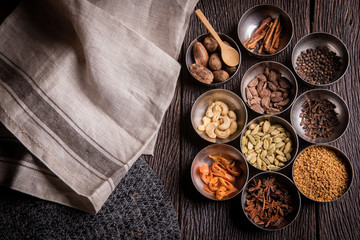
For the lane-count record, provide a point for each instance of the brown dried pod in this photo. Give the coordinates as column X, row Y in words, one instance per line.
column 254, row 101
column 210, row 43
column 273, row 75
column 265, row 102
column 257, row 108
column 201, row 56
column 201, row 73
column 249, row 95
column 266, row 72
column 230, row 70
column 253, row 92
column 284, row 83
column 260, row 86
column 262, row 77
column 285, row 95
column 253, row 82
column 220, row 76
column 276, row 99
column 272, row 110
column 215, row 61
column 272, row 86
column 284, row 102
column 276, row 94
column 265, row 93
column 282, row 90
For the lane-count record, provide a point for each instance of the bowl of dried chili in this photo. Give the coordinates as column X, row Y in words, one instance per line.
column 271, row 201
column 219, row 172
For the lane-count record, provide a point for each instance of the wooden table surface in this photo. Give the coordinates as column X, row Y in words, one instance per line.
column 178, row 143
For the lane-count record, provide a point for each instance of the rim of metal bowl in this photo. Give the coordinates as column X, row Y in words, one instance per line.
column 331, row 92
column 345, row 159
column 268, row 173
column 266, row 5
column 273, row 62
column 288, row 163
column 189, row 53
column 228, row 92
column 232, row 148
column 327, row 84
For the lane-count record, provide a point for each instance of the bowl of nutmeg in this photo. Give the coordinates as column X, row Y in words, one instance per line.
column 204, row 62
column 269, row 88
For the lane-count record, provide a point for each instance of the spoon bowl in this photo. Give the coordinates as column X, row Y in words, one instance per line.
column 229, row 55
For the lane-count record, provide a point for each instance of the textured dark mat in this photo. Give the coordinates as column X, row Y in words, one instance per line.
column 139, row 208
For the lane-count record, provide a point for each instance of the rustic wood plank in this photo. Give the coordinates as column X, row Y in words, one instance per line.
column 199, row 217
column 341, row 18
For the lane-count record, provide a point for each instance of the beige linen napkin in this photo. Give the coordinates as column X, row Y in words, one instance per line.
column 84, row 86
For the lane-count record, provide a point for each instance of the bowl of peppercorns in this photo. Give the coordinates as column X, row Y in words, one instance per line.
column 320, row 59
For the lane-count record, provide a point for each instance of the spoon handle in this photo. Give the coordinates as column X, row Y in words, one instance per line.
column 206, row 23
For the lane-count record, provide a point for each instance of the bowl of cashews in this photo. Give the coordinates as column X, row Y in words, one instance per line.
column 219, row 116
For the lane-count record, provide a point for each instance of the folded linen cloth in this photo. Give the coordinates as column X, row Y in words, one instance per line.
column 84, row 86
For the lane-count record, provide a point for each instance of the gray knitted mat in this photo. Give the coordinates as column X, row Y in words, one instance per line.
column 139, row 208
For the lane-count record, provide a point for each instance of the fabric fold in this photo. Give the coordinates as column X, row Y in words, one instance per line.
column 85, row 89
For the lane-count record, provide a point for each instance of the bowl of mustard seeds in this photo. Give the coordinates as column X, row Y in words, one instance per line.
column 322, row 173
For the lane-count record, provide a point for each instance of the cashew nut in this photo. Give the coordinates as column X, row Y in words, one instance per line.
column 205, row 121
column 232, row 115
column 225, row 123
column 233, row 127
column 216, row 116
column 222, row 134
column 210, row 129
column 223, row 106
column 209, row 111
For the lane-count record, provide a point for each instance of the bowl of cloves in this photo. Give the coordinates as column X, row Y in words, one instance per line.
column 269, row 88
column 270, row 201
column 265, row 30
column 320, row 59
column 319, row 116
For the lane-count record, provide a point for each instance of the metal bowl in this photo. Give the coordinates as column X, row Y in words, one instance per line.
column 286, row 125
column 341, row 109
column 346, row 161
column 258, row 69
column 234, row 103
column 321, row 39
column 189, row 57
column 203, row 158
column 290, row 187
column 252, row 19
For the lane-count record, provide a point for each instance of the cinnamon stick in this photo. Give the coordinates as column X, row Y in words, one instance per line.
column 259, row 30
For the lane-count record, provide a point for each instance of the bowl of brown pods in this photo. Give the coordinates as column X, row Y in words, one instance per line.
column 203, row 60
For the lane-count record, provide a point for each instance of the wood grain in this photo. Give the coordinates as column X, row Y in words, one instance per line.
column 340, row 220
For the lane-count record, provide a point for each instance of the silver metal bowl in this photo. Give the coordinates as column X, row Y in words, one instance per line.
column 343, row 157
column 290, row 187
column 234, row 103
column 189, row 57
column 252, row 19
column 286, row 125
column 321, row 39
column 341, row 109
column 203, row 158
column 258, row 69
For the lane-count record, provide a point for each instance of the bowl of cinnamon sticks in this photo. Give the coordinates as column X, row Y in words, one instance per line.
column 265, row 30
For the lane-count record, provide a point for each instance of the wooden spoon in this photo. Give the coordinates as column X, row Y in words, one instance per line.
column 229, row 55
